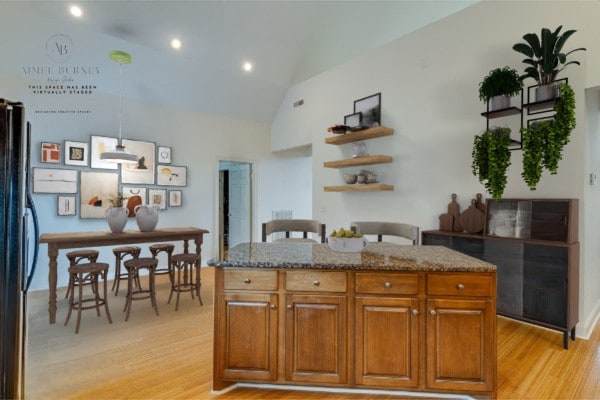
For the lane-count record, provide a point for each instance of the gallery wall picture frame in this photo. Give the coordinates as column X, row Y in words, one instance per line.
column 100, row 144
column 142, row 172
column 158, row 197
column 54, row 180
column 164, row 155
column 172, row 175
column 76, row 153
column 353, row 120
column 97, row 189
column 66, row 205
column 370, row 108
column 132, row 197
column 175, row 198
column 50, row 153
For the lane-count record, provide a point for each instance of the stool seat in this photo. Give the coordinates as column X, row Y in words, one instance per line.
column 120, row 253
column 133, row 266
column 126, row 249
column 82, row 253
column 90, row 272
column 188, row 265
column 161, row 247
column 76, row 257
column 167, row 248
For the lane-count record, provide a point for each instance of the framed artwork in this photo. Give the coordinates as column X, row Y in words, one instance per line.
column 50, row 153
column 143, row 171
column 66, row 205
column 353, row 120
column 99, row 145
column 174, row 198
column 370, row 108
column 164, row 155
column 76, row 153
column 132, row 197
column 97, row 191
column 158, row 197
column 171, row 175
column 46, row 180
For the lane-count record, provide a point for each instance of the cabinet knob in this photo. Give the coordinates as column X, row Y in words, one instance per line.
column 432, row 312
column 247, row 280
column 316, row 283
column 387, row 285
column 415, row 312
column 289, row 307
column 273, row 307
column 460, row 286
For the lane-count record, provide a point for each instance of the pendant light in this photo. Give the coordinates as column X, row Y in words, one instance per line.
column 119, row 155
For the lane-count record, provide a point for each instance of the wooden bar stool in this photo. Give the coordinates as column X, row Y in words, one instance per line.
column 189, row 265
column 78, row 273
column 168, row 248
column 133, row 267
column 75, row 257
column 120, row 253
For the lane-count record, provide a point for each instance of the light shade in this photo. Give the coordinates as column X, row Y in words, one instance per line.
column 119, row 156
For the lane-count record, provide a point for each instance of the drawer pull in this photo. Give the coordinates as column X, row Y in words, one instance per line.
column 387, row 285
column 460, row 286
column 273, row 307
column 432, row 312
column 316, row 283
column 247, row 280
column 289, row 307
column 415, row 312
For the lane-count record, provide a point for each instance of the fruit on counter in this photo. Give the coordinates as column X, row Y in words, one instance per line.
column 345, row 233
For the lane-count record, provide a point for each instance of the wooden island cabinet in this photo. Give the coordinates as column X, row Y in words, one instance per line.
column 407, row 318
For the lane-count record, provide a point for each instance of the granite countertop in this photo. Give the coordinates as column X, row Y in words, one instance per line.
column 375, row 256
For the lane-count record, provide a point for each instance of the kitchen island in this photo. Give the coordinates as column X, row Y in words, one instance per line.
column 409, row 318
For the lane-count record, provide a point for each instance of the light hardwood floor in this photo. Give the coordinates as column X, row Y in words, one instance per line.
column 170, row 356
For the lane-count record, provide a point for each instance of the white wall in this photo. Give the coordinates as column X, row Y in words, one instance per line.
column 429, row 84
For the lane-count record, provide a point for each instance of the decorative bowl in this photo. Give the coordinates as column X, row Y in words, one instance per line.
column 347, row 245
column 350, row 178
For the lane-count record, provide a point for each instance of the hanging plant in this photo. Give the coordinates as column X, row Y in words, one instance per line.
column 543, row 142
column 491, row 159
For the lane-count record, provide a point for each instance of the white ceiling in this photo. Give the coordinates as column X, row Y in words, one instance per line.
column 288, row 42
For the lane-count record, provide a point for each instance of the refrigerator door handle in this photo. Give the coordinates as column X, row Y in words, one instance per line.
column 36, row 231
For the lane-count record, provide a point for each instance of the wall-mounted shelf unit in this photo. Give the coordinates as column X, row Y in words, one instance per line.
column 357, row 161
column 368, row 187
column 366, row 134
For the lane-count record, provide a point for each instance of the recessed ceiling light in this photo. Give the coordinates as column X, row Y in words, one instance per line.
column 176, row 43
column 247, row 66
column 76, row 11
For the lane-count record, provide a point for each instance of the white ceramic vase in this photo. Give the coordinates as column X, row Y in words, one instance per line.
column 116, row 218
column 499, row 102
column 146, row 217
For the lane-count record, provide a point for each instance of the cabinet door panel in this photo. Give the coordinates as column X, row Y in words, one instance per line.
column 315, row 336
column 249, row 345
column 460, row 347
column 387, row 336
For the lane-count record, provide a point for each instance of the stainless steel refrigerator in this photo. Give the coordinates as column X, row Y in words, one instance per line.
column 18, row 245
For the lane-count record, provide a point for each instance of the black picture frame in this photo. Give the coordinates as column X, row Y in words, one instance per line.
column 353, row 120
column 370, row 108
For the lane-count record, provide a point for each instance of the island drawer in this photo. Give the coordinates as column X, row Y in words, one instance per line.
column 316, row 281
column 459, row 284
column 249, row 279
column 387, row 283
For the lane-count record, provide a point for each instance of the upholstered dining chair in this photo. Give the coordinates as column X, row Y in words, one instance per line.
column 380, row 229
column 294, row 225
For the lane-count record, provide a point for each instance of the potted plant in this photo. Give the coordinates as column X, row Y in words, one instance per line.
column 545, row 59
column 543, row 142
column 491, row 159
column 498, row 86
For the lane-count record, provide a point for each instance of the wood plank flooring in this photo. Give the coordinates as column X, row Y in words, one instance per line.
column 170, row 356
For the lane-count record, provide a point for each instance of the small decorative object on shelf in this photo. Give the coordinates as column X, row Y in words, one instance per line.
column 339, row 129
column 346, row 240
column 350, row 178
column 370, row 109
column 359, row 149
column 498, row 86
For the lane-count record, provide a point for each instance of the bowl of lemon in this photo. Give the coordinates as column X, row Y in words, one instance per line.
column 347, row 241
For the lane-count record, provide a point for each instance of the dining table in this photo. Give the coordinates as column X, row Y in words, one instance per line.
column 71, row 240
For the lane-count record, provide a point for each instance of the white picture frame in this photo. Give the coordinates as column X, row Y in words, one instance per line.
column 54, row 180
column 76, row 153
column 97, row 191
column 171, row 175
column 175, row 198
column 157, row 197
column 164, row 155
column 100, row 144
column 66, row 205
column 142, row 172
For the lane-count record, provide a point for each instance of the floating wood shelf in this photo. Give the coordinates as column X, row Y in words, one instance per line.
column 369, row 187
column 370, row 133
column 353, row 162
column 502, row 112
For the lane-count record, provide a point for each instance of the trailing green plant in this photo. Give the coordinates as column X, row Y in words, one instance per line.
column 543, row 142
column 500, row 81
column 491, row 159
column 546, row 58
column 117, row 201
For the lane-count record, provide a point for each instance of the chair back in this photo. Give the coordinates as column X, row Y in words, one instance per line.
column 406, row 231
column 293, row 225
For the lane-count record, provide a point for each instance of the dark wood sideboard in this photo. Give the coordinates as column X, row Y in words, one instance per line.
column 534, row 244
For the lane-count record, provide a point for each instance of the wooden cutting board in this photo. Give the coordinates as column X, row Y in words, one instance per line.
column 446, row 222
column 473, row 219
column 479, row 203
column 454, row 210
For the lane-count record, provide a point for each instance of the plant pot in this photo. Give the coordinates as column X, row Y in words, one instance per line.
column 116, row 218
column 546, row 92
column 499, row 102
column 146, row 217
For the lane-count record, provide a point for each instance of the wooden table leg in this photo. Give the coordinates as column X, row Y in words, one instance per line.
column 52, row 280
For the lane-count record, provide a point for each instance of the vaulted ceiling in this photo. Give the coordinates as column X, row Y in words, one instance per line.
column 287, row 42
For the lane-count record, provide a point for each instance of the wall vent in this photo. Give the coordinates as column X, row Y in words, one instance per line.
column 298, row 103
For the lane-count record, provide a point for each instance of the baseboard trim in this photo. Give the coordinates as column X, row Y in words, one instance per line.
column 585, row 329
